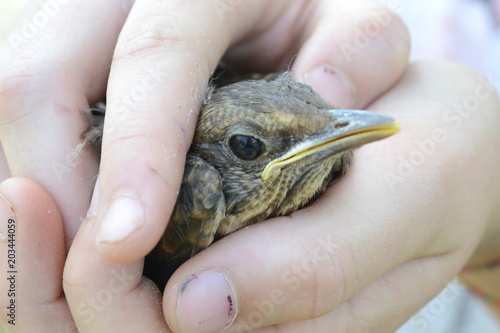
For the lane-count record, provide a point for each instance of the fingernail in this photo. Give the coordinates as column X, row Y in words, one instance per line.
column 333, row 85
column 94, row 201
column 206, row 303
column 124, row 215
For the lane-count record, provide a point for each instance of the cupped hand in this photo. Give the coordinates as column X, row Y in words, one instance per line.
column 52, row 65
column 350, row 52
column 364, row 257
column 161, row 66
column 159, row 57
column 376, row 246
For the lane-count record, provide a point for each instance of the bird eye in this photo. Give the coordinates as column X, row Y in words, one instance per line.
column 245, row 147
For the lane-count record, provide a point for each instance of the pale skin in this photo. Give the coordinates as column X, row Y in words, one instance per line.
column 390, row 235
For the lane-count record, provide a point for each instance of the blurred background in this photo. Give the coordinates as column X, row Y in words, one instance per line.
column 10, row 11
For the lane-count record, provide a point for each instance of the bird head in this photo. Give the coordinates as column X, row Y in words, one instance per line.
column 278, row 143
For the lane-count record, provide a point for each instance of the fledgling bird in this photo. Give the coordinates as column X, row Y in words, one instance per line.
column 262, row 148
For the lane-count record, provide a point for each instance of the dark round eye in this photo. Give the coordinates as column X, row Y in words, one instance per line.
column 245, row 147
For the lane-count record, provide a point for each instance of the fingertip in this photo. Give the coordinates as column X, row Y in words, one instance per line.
column 123, row 216
column 34, row 227
column 244, row 292
column 355, row 52
column 30, row 195
column 116, row 295
column 39, row 215
column 206, row 302
column 129, row 227
column 332, row 84
column 137, row 192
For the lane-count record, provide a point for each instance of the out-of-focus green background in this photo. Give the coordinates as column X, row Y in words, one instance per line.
column 10, row 12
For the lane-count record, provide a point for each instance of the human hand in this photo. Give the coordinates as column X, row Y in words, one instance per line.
column 133, row 211
column 51, row 66
column 387, row 46
column 34, row 301
column 378, row 245
column 161, row 63
column 364, row 257
column 170, row 83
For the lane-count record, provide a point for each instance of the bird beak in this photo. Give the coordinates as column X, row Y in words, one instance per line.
column 350, row 129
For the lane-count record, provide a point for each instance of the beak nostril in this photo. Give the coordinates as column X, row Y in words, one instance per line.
column 341, row 124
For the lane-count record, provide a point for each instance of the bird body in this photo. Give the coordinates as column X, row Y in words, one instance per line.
column 262, row 148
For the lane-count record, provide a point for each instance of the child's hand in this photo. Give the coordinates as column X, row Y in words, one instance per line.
column 375, row 248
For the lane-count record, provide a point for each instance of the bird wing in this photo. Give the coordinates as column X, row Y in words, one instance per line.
column 198, row 212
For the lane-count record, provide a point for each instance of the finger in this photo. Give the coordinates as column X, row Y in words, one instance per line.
column 357, row 50
column 53, row 64
column 152, row 110
column 250, row 281
column 32, row 259
column 349, row 51
column 379, row 307
column 305, row 266
column 102, row 295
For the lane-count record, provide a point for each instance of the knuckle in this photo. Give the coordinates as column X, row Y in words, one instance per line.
column 23, row 74
column 149, row 38
column 72, row 282
column 332, row 276
column 141, row 127
column 118, row 139
column 23, row 86
column 124, row 139
column 26, row 72
column 158, row 144
column 357, row 322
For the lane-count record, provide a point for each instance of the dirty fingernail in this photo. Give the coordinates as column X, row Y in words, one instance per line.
column 333, row 85
column 124, row 215
column 206, row 303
